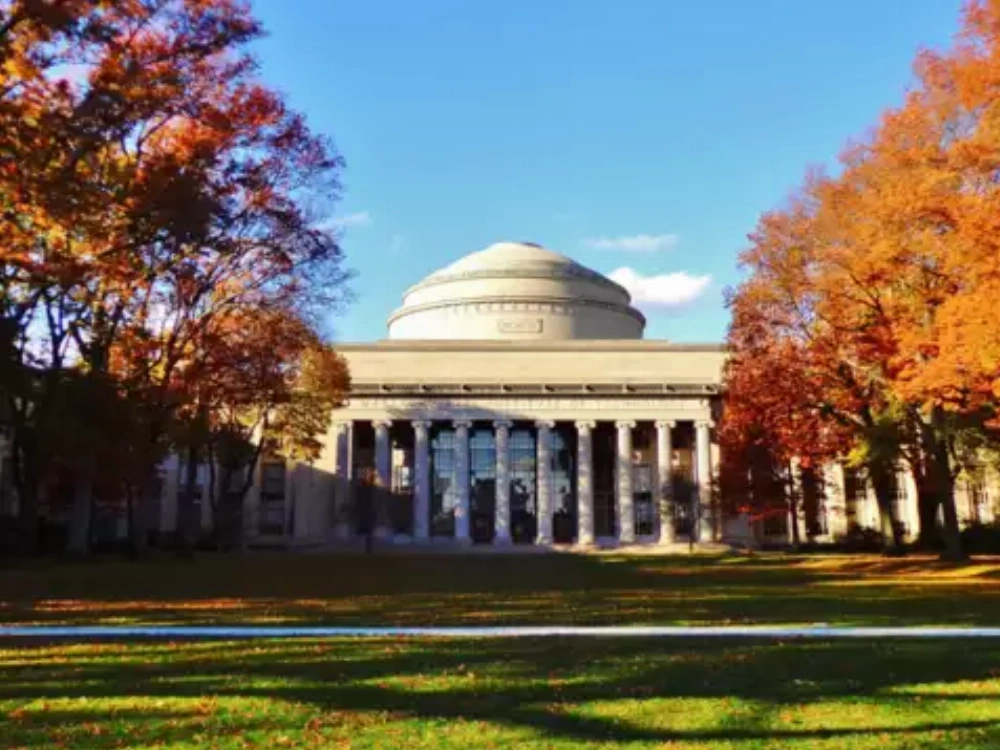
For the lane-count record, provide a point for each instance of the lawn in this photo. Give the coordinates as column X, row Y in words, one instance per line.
column 530, row 695
column 446, row 589
column 480, row 693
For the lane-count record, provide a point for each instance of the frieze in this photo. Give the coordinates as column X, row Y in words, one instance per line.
column 487, row 305
column 528, row 404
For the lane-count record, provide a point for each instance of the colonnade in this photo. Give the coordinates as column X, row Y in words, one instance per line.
column 624, row 498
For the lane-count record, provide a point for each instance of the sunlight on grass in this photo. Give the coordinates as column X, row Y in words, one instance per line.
column 485, row 693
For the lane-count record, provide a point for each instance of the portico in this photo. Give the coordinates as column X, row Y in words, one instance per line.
column 543, row 463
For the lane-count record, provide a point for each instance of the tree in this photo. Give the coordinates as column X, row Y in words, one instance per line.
column 151, row 188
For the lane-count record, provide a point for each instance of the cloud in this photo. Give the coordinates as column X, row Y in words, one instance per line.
column 636, row 243
column 357, row 219
column 665, row 291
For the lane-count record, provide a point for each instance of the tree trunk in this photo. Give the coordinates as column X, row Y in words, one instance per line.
column 928, row 504
column 892, row 537
column 27, row 503
column 942, row 484
column 793, row 508
column 80, row 518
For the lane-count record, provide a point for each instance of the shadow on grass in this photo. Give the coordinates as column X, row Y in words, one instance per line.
column 573, row 690
column 443, row 589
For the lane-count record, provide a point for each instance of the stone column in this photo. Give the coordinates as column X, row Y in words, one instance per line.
column 626, row 512
column 703, row 514
column 585, row 483
column 664, row 480
column 501, row 522
column 544, row 469
column 462, row 480
column 342, row 511
column 911, row 509
column 421, row 481
column 383, row 478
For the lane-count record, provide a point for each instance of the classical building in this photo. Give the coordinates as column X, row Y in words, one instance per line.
column 515, row 401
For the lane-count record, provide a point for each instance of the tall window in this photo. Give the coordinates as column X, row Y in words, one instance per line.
column 563, row 488
column 272, row 497
column 897, row 492
column 482, row 483
column 443, row 490
column 523, row 485
column 979, row 499
column 642, row 503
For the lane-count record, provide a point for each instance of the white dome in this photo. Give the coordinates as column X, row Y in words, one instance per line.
column 519, row 291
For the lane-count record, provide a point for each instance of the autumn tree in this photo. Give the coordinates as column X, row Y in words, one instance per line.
column 267, row 383
column 152, row 188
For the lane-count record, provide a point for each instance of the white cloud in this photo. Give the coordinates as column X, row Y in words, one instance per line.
column 668, row 290
column 357, row 219
column 636, row 243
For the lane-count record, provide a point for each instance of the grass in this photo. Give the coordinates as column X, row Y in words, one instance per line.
column 482, row 693
column 446, row 589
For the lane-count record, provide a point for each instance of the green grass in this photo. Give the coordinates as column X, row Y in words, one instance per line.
column 481, row 693
column 447, row 589
column 518, row 694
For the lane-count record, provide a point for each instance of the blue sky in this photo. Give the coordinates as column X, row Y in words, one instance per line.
column 645, row 135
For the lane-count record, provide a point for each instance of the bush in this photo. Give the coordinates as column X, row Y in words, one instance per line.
column 862, row 539
column 981, row 538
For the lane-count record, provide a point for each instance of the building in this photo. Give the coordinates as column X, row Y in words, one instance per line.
column 515, row 401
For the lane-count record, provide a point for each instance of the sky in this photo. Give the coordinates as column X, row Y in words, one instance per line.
column 643, row 138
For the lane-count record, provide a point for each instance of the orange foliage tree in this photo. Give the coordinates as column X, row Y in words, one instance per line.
column 894, row 270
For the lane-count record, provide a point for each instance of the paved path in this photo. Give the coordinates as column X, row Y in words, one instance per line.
column 819, row 631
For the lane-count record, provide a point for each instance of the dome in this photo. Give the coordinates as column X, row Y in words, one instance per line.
column 519, row 291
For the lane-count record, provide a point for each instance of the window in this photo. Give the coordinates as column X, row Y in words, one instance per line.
column 443, row 494
column 272, row 498
column 642, row 493
column 482, row 483
column 523, row 486
column 563, row 488
column 979, row 500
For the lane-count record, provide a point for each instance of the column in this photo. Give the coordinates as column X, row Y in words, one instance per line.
column 342, row 511
column 421, row 481
column 664, row 480
column 626, row 512
column 462, row 480
column 383, row 478
column 911, row 509
column 703, row 511
column 544, row 469
column 585, row 483
column 501, row 523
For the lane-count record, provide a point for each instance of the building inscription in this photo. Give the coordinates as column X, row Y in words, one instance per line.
column 516, row 325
